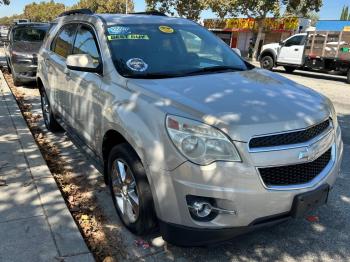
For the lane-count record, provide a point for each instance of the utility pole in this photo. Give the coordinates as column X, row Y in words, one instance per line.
column 126, row 6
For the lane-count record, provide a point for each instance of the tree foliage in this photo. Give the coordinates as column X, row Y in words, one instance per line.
column 184, row 8
column 4, row 2
column 106, row 6
column 345, row 13
column 44, row 11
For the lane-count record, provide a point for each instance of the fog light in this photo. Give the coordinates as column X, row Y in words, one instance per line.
column 205, row 208
column 201, row 209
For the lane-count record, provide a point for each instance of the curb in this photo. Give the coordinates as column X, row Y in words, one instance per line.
column 65, row 233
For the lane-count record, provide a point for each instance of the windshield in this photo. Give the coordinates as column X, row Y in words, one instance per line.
column 156, row 51
column 29, row 34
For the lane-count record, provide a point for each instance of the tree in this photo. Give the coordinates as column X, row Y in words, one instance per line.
column 184, row 8
column 8, row 20
column 4, row 2
column 44, row 11
column 342, row 13
column 345, row 13
column 106, row 6
column 223, row 8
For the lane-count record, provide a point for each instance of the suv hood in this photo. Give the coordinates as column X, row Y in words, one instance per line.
column 243, row 104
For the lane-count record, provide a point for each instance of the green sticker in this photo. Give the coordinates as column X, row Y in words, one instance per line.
column 128, row 37
column 345, row 49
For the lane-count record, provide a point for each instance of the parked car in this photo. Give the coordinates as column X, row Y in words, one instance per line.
column 190, row 136
column 316, row 50
column 3, row 33
column 24, row 42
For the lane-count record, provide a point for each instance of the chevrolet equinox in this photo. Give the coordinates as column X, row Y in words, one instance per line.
column 191, row 138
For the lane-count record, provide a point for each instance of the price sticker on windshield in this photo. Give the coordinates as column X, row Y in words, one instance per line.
column 128, row 37
column 166, row 29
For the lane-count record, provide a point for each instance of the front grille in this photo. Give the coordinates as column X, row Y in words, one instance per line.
column 289, row 138
column 295, row 174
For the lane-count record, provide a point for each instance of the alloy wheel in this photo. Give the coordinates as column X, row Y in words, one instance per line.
column 45, row 108
column 125, row 191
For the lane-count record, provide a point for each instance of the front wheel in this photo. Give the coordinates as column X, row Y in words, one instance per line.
column 267, row 62
column 289, row 69
column 49, row 119
column 130, row 190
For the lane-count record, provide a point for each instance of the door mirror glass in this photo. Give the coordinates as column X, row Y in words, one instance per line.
column 83, row 62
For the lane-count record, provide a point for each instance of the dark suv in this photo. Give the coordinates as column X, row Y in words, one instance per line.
column 24, row 42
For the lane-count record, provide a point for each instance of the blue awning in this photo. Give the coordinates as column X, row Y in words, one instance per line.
column 331, row 25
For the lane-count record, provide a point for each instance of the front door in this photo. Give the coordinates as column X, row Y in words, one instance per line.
column 292, row 50
column 85, row 88
column 59, row 78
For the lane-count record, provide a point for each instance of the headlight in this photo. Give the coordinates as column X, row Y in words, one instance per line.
column 334, row 116
column 200, row 143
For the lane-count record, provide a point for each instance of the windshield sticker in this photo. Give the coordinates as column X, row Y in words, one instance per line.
column 119, row 30
column 166, row 29
column 137, row 64
column 128, row 37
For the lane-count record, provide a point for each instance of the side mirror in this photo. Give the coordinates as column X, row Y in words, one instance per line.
column 281, row 43
column 84, row 63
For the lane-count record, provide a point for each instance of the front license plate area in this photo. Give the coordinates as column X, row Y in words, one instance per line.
column 309, row 201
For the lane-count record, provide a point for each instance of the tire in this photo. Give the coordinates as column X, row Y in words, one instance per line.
column 267, row 62
column 8, row 67
column 49, row 119
column 289, row 69
column 139, row 219
column 348, row 77
column 16, row 81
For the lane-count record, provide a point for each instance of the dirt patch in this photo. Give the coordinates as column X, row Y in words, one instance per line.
column 82, row 203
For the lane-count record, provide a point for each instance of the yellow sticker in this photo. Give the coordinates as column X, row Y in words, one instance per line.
column 166, row 29
column 128, row 37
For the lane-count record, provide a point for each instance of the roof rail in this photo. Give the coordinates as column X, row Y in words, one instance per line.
column 83, row 11
column 149, row 13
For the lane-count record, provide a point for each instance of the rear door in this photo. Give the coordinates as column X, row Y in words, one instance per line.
column 292, row 51
column 59, row 78
column 85, row 104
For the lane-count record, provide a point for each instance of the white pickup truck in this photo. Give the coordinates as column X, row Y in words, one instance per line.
column 324, row 51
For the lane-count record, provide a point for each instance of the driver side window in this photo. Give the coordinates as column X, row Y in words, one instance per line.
column 85, row 43
column 296, row 40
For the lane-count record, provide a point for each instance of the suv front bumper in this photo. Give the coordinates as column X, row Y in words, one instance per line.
column 234, row 187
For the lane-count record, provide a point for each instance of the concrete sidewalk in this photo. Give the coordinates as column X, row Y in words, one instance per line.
column 35, row 223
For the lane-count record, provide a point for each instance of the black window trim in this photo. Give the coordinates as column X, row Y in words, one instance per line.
column 94, row 32
column 53, row 43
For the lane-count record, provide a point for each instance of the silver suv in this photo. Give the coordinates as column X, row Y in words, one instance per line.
column 193, row 140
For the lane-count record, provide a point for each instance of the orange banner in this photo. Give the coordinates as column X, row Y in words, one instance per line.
column 244, row 24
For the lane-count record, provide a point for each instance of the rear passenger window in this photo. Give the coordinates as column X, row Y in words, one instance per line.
column 85, row 43
column 63, row 42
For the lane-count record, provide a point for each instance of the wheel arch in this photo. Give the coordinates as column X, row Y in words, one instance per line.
column 269, row 52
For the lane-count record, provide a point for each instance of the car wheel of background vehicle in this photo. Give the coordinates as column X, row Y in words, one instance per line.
column 130, row 190
column 49, row 119
column 8, row 66
column 348, row 77
column 289, row 69
column 267, row 62
column 16, row 81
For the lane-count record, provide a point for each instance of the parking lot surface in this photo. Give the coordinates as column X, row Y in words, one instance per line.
column 325, row 238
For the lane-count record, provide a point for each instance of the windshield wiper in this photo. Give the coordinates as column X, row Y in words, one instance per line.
column 215, row 69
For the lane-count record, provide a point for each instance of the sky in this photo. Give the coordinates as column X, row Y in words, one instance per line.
column 330, row 11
